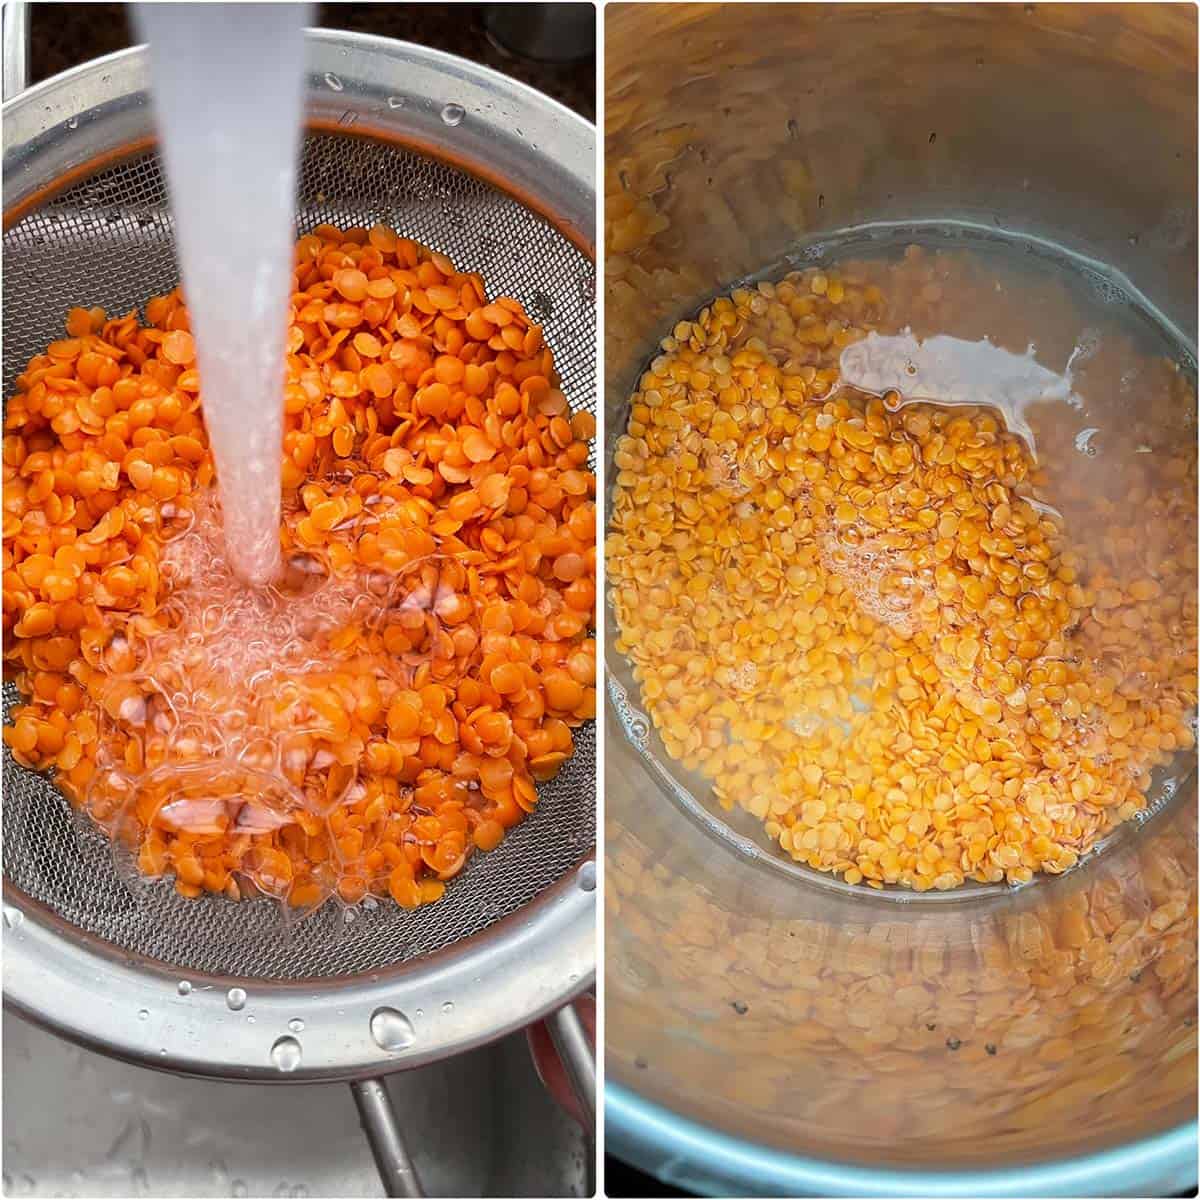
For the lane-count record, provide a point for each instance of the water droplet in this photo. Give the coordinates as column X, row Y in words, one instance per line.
column 236, row 999
column 72, row 122
column 392, row 1030
column 448, row 1007
column 184, row 988
column 250, row 1019
column 296, row 1025
column 143, row 1014
column 1083, row 442
column 286, row 1054
column 395, row 102
column 453, row 114
column 587, row 876
column 239, row 1188
column 333, row 81
column 13, row 917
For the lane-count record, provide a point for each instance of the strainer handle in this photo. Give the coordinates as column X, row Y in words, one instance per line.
column 379, row 1123
column 578, row 1059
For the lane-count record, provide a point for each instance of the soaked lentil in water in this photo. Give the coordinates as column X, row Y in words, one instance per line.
column 917, row 594
column 384, row 710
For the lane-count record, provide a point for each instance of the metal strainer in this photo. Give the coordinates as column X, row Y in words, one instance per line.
column 135, row 970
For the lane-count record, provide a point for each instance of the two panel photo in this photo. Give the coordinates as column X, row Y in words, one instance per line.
column 599, row 599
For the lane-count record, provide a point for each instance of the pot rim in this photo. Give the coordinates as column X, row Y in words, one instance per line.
column 686, row 1153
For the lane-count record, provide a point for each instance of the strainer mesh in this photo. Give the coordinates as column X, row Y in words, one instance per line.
column 109, row 241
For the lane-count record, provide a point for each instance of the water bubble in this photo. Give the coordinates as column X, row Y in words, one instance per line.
column 453, row 114
column 395, row 102
column 236, row 999
column 296, row 1025
column 392, row 1030
column 1083, row 442
column 587, row 876
column 239, row 1188
column 143, row 1014
column 333, row 81
column 448, row 1007
column 184, row 988
column 13, row 917
column 286, row 1054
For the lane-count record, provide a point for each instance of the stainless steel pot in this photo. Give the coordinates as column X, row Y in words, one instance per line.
column 767, row 1034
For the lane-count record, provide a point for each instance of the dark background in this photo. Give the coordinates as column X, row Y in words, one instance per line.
column 621, row 1180
column 64, row 35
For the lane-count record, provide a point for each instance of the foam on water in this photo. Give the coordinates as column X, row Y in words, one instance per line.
column 953, row 371
column 230, row 697
column 227, row 92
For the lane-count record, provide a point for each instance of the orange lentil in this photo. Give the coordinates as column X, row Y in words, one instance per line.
column 406, row 439
column 179, row 348
column 856, row 617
